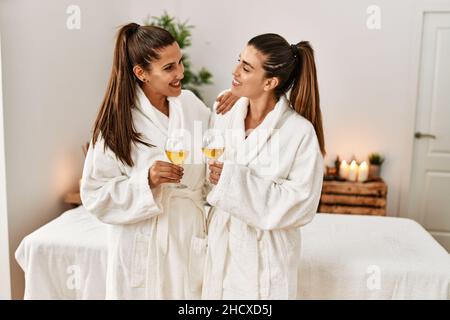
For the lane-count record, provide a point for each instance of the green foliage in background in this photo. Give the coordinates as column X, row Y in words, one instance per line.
column 181, row 31
column 376, row 159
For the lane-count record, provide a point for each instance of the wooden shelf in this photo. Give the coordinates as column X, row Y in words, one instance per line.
column 353, row 199
column 345, row 197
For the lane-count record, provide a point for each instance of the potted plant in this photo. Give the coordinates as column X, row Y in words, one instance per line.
column 375, row 160
column 181, row 31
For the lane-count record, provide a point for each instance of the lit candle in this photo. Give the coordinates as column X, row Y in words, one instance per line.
column 353, row 173
column 344, row 169
column 363, row 172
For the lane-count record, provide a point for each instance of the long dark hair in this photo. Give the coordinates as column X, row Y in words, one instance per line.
column 135, row 45
column 295, row 69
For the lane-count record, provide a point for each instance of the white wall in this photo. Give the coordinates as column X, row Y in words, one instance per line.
column 364, row 75
column 53, row 83
column 5, row 281
column 140, row 10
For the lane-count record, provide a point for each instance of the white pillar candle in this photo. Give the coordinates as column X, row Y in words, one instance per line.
column 344, row 169
column 353, row 173
column 363, row 172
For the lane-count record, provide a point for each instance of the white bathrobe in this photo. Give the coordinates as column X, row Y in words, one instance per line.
column 157, row 236
column 269, row 187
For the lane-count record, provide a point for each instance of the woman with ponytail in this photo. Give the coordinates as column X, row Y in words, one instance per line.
column 156, row 233
column 269, row 182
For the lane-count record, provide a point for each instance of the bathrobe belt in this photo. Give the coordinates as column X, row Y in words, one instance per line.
column 157, row 252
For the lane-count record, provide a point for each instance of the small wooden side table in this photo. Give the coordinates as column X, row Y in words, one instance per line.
column 345, row 197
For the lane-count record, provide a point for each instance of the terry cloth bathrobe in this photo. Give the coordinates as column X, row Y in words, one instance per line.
column 269, row 187
column 156, row 236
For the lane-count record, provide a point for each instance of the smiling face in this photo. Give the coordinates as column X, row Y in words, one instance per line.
column 249, row 76
column 164, row 77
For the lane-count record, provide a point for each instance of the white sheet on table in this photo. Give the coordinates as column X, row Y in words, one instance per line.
column 340, row 256
column 72, row 245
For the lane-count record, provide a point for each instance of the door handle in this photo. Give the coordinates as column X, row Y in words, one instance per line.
column 420, row 135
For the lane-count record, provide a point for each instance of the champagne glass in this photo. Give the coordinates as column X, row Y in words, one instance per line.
column 176, row 153
column 213, row 144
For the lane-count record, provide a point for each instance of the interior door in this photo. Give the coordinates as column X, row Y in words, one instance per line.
column 429, row 195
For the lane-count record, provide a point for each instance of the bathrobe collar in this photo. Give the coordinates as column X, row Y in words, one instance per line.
column 246, row 150
column 167, row 125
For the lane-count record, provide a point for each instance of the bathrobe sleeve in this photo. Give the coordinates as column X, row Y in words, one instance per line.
column 267, row 204
column 113, row 196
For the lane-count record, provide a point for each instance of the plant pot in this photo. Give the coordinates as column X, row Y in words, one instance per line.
column 374, row 172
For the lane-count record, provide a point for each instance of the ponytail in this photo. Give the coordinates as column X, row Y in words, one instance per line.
column 304, row 95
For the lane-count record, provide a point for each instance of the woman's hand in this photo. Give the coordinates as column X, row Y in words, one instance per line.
column 163, row 172
column 225, row 102
column 215, row 171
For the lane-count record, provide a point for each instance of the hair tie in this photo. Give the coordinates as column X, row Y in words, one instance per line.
column 294, row 50
column 132, row 28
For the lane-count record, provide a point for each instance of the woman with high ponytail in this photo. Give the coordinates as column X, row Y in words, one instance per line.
column 156, row 233
column 268, row 183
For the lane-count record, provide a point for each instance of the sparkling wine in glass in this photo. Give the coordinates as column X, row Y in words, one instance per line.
column 176, row 153
column 213, row 144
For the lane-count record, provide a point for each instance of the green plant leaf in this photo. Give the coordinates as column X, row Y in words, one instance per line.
column 376, row 158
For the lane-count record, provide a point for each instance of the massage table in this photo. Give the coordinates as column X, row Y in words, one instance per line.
column 342, row 257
